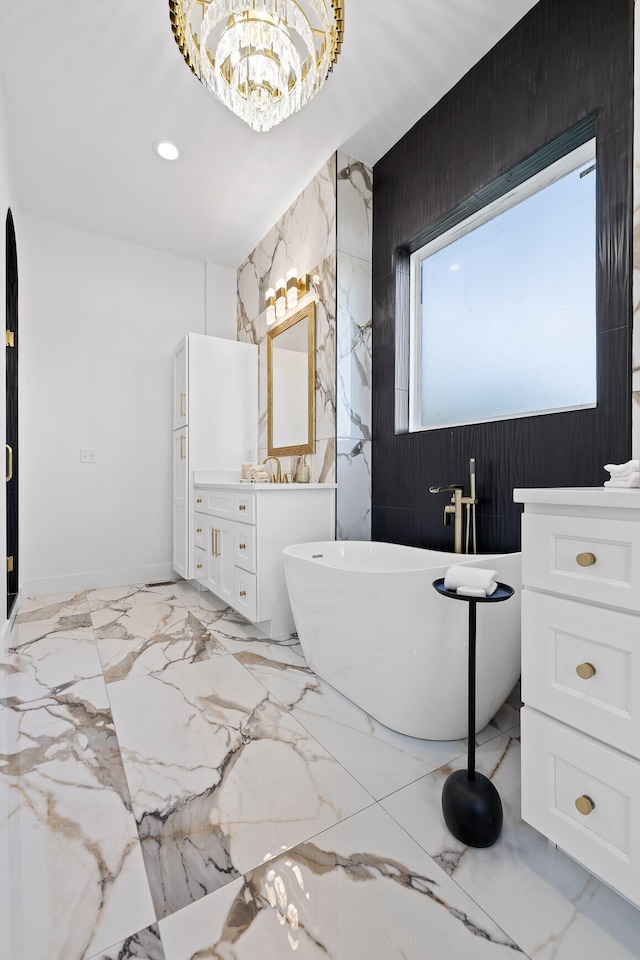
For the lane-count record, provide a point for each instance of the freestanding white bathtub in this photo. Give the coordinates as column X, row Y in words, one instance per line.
column 371, row 624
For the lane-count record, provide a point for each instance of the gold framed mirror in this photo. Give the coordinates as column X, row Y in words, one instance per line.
column 291, row 376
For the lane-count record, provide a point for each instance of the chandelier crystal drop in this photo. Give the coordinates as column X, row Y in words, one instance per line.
column 264, row 59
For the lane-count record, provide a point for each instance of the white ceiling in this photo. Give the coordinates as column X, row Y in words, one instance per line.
column 90, row 84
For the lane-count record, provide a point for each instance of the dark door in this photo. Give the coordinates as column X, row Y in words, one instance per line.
column 11, row 352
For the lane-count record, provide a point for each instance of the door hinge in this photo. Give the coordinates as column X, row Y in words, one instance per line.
column 9, row 564
column 9, row 338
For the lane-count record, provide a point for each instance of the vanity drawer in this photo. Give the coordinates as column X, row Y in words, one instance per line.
column 581, row 665
column 561, row 766
column 200, row 530
column 244, row 539
column 217, row 503
column 244, row 507
column 200, row 564
column 245, row 597
column 554, row 549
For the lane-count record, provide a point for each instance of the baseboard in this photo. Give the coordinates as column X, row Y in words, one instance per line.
column 5, row 630
column 93, row 580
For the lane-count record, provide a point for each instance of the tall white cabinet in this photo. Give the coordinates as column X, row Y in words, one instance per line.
column 215, row 423
column 581, row 676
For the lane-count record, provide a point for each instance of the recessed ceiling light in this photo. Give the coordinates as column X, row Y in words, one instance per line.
column 166, row 149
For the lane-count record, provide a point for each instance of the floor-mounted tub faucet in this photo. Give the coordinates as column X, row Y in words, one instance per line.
column 454, row 508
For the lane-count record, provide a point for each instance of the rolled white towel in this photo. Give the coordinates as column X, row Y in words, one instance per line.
column 622, row 469
column 475, row 577
column 632, row 480
column 261, row 475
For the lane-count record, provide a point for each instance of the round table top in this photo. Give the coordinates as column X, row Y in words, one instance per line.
column 502, row 592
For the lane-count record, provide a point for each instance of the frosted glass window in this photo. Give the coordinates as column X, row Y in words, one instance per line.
column 504, row 305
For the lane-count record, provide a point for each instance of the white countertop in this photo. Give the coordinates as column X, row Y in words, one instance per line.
column 581, row 496
column 203, row 478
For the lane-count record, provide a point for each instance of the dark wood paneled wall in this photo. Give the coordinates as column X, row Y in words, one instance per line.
column 565, row 60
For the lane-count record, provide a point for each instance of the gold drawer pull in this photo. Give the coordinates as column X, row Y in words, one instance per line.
column 182, row 397
column 198, row 499
column 242, row 546
column 586, row 559
column 242, row 507
column 586, row 670
column 585, row 805
column 199, row 566
column 243, row 593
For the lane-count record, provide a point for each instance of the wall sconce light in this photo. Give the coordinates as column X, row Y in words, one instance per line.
column 281, row 298
column 285, row 295
column 270, row 298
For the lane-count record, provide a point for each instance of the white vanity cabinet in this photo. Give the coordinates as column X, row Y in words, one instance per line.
column 215, row 423
column 239, row 532
column 580, row 722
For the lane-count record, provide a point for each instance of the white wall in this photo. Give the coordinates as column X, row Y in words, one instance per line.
column 99, row 321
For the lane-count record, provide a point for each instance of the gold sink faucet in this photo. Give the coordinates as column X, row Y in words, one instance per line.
column 277, row 478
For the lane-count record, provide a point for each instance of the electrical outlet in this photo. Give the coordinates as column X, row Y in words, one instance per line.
column 250, row 453
column 88, row 456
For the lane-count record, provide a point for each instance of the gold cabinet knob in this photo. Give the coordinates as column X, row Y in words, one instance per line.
column 243, row 593
column 198, row 499
column 586, row 559
column 586, row 670
column 242, row 507
column 585, row 805
column 198, row 529
column 242, row 546
column 199, row 566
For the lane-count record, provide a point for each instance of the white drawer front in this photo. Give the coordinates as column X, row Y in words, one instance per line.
column 581, row 665
column 245, row 507
column 561, row 766
column 200, row 530
column 245, row 546
column 551, row 546
column 218, row 503
column 245, row 600
column 200, row 564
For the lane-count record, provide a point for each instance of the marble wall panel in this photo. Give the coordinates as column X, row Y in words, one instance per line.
column 304, row 238
column 313, row 220
column 329, row 236
column 353, row 473
column 353, row 332
column 353, row 386
column 355, row 207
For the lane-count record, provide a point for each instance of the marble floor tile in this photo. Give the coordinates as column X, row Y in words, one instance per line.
column 361, row 890
column 222, row 777
column 42, row 672
column 57, row 606
column 549, row 904
column 144, row 945
column 77, row 880
column 31, row 631
column 122, row 598
column 377, row 757
column 150, row 636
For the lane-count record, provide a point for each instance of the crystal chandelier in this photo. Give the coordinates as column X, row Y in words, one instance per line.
column 264, row 59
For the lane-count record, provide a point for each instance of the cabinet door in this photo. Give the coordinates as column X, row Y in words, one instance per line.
column 181, row 503
column 220, row 565
column 180, row 397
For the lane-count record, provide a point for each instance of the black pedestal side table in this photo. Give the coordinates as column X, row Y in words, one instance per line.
column 470, row 803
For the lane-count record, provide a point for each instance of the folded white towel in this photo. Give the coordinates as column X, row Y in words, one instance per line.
column 260, row 475
column 461, row 576
column 471, row 591
column 622, row 469
column 633, row 480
